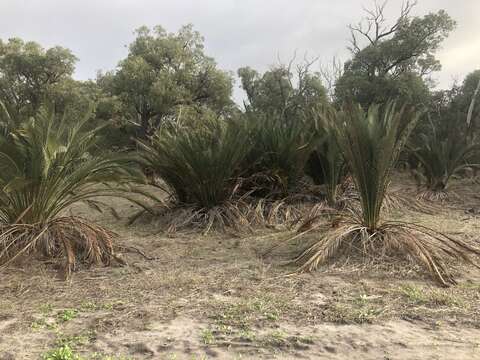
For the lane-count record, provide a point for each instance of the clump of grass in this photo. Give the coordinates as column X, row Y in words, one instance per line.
column 430, row 296
column 275, row 338
column 246, row 313
column 346, row 313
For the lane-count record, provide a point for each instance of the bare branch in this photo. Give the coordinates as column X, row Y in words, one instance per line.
column 330, row 73
column 372, row 26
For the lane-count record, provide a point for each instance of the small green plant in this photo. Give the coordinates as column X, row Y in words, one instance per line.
column 414, row 294
column 430, row 297
column 275, row 338
column 43, row 323
column 102, row 356
column 352, row 314
column 46, row 308
column 75, row 340
column 247, row 334
column 208, row 337
column 67, row 315
column 63, row 352
column 243, row 313
column 88, row 306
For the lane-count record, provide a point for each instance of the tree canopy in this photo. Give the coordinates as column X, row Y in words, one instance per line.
column 31, row 75
column 393, row 61
column 164, row 71
column 281, row 90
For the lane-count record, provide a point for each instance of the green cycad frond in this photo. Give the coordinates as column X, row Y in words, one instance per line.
column 280, row 149
column 371, row 143
column 57, row 166
column 198, row 163
column 326, row 163
column 442, row 157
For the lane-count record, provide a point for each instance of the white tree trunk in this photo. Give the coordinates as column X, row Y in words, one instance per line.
column 472, row 104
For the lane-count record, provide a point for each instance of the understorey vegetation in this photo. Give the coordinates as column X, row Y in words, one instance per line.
column 310, row 154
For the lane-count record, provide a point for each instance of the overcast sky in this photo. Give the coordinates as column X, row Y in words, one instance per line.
column 237, row 32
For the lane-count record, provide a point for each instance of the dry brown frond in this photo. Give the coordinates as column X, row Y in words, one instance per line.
column 175, row 218
column 401, row 199
column 74, row 238
column 392, row 239
column 238, row 215
column 437, row 195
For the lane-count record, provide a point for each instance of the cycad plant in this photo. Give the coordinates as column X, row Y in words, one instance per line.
column 442, row 157
column 326, row 165
column 280, row 150
column 47, row 165
column 371, row 143
column 200, row 164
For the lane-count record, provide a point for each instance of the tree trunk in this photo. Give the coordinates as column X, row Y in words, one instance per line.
column 144, row 131
column 472, row 104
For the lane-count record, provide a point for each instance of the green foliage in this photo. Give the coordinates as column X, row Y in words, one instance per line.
column 441, row 157
column 371, row 143
column 280, row 91
column 63, row 352
column 164, row 72
column 279, row 115
column 48, row 165
column 393, row 61
column 279, row 152
column 67, row 315
column 30, row 75
column 326, row 164
column 198, row 160
column 462, row 101
column 208, row 338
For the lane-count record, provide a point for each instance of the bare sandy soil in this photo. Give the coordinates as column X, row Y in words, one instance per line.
column 216, row 296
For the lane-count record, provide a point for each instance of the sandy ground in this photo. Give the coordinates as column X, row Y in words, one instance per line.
column 215, row 296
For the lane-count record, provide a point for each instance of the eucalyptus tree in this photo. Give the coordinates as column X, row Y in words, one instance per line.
column 164, row 72
column 393, row 60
